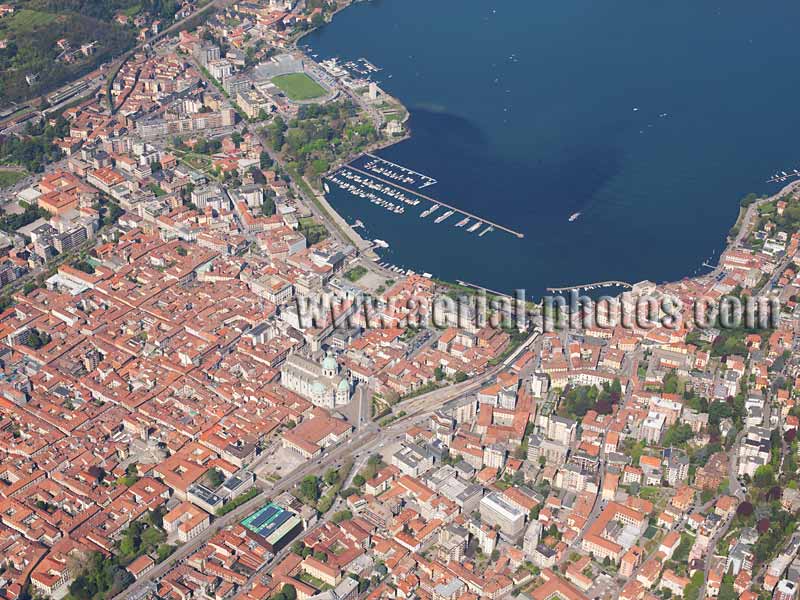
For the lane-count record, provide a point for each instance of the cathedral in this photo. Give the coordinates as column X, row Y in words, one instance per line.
column 319, row 383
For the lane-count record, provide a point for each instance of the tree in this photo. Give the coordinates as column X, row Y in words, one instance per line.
column 164, row 551
column 719, row 410
column 692, row 590
column 359, row 480
column 331, row 476
column 671, row 383
column 215, row 478
column 678, row 434
column 350, row 491
column 309, row 488
column 744, row 510
column 36, row 339
column 268, row 207
column 459, row 376
column 684, row 547
column 726, row 591
column 152, row 537
column 289, row 592
column 764, row 476
column 342, row 515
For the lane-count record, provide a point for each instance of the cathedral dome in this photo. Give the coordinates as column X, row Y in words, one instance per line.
column 330, row 364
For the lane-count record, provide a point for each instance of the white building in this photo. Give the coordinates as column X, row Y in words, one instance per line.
column 321, row 384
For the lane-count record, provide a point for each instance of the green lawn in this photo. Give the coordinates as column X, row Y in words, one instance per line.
column 9, row 178
column 132, row 11
column 25, row 20
column 299, row 86
column 355, row 273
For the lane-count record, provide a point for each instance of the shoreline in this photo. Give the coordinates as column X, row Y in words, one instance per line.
column 741, row 224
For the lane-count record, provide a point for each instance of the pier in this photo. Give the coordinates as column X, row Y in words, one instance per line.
column 434, row 201
column 590, row 286
column 475, row 286
column 783, row 176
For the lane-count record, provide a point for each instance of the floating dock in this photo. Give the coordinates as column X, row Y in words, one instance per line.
column 439, row 202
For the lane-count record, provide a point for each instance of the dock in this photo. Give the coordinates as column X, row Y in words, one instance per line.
column 590, row 286
column 424, row 178
column 783, row 176
column 435, row 201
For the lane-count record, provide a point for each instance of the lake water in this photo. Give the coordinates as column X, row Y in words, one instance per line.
column 650, row 119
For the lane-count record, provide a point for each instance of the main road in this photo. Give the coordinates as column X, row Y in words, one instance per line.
column 368, row 439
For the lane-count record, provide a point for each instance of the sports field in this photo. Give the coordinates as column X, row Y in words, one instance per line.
column 298, row 86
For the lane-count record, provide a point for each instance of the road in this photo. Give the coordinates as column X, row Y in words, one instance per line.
column 364, row 442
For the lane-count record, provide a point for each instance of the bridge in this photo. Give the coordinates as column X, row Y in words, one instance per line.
column 590, row 286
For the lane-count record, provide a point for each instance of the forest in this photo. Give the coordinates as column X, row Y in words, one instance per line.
column 31, row 34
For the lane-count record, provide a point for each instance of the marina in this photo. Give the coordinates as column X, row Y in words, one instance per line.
column 397, row 173
column 435, row 203
column 783, row 176
column 355, row 185
column 590, row 286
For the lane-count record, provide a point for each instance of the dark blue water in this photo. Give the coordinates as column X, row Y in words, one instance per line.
column 524, row 112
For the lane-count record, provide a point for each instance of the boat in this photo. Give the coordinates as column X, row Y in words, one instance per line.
column 327, row 188
column 485, row 231
column 444, row 216
column 431, row 210
column 474, row 227
column 574, row 216
column 462, row 222
column 380, row 244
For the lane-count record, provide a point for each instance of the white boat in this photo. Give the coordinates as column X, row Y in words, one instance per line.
column 431, row 210
column 574, row 216
column 381, row 244
column 462, row 222
column 485, row 231
column 444, row 216
column 327, row 189
column 474, row 227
